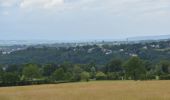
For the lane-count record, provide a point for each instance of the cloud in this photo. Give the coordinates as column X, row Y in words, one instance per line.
column 116, row 7
column 84, row 16
column 41, row 3
column 7, row 3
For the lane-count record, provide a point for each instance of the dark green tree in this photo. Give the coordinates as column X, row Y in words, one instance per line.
column 113, row 76
column 135, row 68
column 31, row 71
column 48, row 69
column 77, row 73
column 165, row 65
column 158, row 70
column 1, row 73
column 115, row 65
column 9, row 77
column 58, row 75
column 67, row 66
column 90, row 66
column 93, row 72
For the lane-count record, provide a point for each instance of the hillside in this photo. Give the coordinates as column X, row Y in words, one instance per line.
column 100, row 54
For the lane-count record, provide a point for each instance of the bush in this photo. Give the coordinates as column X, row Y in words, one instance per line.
column 11, row 78
column 58, row 75
column 150, row 77
column 165, row 77
column 31, row 72
column 113, row 76
column 85, row 76
column 101, row 76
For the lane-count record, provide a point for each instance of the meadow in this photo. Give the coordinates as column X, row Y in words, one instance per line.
column 96, row 90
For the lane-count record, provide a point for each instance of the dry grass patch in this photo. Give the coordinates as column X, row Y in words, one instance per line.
column 99, row 90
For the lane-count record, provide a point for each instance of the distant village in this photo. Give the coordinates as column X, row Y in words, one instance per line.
column 5, row 50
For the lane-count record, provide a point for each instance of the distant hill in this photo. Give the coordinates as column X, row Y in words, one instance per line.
column 158, row 37
column 153, row 52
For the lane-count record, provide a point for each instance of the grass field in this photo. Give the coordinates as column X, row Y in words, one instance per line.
column 99, row 90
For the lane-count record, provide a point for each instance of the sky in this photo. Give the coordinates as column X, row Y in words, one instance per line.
column 82, row 19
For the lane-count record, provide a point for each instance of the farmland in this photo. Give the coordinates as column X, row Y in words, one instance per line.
column 96, row 90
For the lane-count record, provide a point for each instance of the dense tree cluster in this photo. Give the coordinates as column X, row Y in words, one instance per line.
column 100, row 54
column 132, row 69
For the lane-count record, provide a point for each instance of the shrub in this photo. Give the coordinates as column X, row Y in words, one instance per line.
column 85, row 76
column 113, row 76
column 101, row 76
column 9, row 77
column 58, row 75
column 165, row 77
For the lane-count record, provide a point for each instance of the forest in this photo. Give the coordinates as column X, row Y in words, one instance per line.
column 116, row 69
column 99, row 54
column 46, row 65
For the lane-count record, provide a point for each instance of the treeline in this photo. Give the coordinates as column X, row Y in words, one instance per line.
column 100, row 54
column 132, row 69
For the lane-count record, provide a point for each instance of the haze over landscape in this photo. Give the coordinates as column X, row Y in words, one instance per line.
column 82, row 19
column 84, row 49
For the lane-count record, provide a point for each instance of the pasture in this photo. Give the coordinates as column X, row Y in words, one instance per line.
column 96, row 90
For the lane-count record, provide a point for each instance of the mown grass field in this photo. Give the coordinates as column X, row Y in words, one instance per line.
column 99, row 90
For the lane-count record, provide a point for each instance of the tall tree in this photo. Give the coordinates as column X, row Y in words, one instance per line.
column 165, row 65
column 90, row 66
column 135, row 68
column 58, row 75
column 93, row 72
column 31, row 71
column 48, row 69
column 85, row 76
column 77, row 73
column 115, row 65
column 1, row 73
column 9, row 77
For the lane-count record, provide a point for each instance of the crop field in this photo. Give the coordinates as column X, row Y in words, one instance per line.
column 97, row 90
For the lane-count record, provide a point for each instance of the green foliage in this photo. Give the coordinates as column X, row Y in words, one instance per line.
column 31, row 71
column 165, row 65
column 68, row 76
column 165, row 77
column 90, row 66
column 1, row 73
column 150, row 75
column 93, row 72
column 80, row 54
column 58, row 75
column 9, row 77
column 67, row 66
column 158, row 70
column 85, row 76
column 77, row 73
column 101, row 76
column 48, row 69
column 134, row 68
column 113, row 76
column 114, row 65
column 84, row 66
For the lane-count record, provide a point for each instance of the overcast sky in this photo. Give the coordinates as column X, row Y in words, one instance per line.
column 83, row 19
